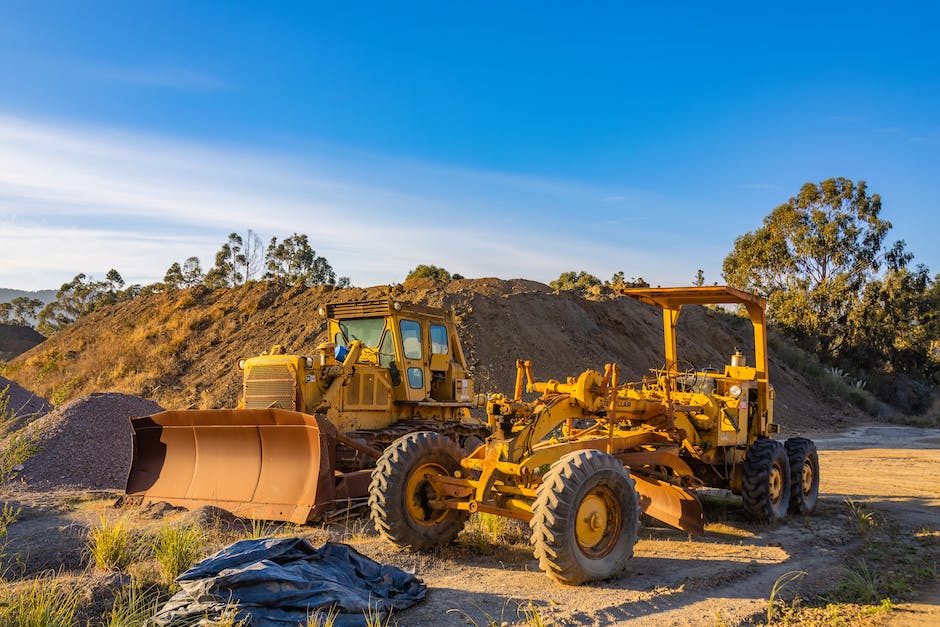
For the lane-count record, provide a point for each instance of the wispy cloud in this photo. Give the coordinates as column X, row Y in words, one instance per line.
column 889, row 130
column 78, row 199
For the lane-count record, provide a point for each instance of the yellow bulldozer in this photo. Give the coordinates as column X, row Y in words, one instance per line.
column 308, row 429
column 584, row 459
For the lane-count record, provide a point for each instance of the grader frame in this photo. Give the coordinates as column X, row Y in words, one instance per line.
column 583, row 459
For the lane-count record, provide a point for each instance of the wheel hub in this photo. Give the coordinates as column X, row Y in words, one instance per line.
column 775, row 483
column 597, row 523
column 807, row 477
column 419, row 492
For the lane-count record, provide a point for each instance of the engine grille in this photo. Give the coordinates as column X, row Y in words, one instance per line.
column 269, row 386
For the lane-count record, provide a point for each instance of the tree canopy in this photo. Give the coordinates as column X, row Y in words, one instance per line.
column 425, row 271
column 20, row 311
column 80, row 296
column 812, row 257
column 294, row 262
column 575, row 282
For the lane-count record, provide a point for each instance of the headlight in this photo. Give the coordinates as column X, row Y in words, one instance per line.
column 241, row 364
column 735, row 391
column 322, row 311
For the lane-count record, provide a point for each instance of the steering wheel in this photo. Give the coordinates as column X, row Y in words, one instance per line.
column 689, row 371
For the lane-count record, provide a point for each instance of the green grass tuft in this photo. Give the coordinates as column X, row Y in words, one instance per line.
column 111, row 544
column 133, row 606
column 42, row 602
column 176, row 548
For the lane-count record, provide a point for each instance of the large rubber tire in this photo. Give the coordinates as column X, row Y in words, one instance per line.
column 765, row 488
column 399, row 493
column 804, row 475
column 585, row 518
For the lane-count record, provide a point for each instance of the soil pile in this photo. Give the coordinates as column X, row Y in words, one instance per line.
column 16, row 340
column 83, row 445
column 23, row 404
column 180, row 348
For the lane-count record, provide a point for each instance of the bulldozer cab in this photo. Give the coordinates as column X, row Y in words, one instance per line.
column 415, row 347
column 299, row 437
column 749, row 384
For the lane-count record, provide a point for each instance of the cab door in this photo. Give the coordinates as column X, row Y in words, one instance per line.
column 413, row 349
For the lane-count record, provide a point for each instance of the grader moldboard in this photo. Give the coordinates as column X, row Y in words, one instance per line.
column 308, row 430
column 582, row 461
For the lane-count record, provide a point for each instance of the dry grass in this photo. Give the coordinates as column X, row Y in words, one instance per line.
column 323, row 619
column 111, row 543
column 41, row 602
column 485, row 533
column 133, row 605
column 176, row 548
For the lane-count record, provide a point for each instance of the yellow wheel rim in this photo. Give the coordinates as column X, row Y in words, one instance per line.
column 597, row 523
column 775, row 481
column 807, row 477
column 419, row 492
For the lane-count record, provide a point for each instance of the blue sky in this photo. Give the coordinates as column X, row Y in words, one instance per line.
column 504, row 139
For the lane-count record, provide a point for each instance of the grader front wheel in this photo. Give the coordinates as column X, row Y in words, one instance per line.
column 765, row 488
column 585, row 518
column 401, row 495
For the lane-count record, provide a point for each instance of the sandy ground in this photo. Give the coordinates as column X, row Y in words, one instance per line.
column 723, row 578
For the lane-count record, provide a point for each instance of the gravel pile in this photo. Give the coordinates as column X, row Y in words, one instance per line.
column 23, row 402
column 85, row 444
column 16, row 340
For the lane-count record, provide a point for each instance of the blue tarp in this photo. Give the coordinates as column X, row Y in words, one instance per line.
column 281, row 581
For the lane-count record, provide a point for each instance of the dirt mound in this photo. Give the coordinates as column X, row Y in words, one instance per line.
column 180, row 347
column 23, row 404
column 85, row 444
column 16, row 340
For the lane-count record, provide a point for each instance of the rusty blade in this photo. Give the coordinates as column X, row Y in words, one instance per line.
column 671, row 504
column 270, row 464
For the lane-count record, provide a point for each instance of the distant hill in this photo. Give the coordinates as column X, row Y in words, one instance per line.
column 7, row 294
column 180, row 348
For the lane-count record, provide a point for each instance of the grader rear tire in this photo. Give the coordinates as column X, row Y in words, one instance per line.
column 585, row 518
column 765, row 488
column 400, row 494
column 804, row 475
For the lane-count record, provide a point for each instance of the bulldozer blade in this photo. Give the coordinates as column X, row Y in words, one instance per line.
column 269, row 464
column 671, row 504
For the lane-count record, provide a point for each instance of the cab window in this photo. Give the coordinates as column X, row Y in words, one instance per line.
column 366, row 330
column 438, row 339
column 416, row 378
column 387, row 352
column 411, row 339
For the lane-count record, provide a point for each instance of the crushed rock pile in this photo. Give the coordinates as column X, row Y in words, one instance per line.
column 83, row 445
column 23, row 403
column 16, row 339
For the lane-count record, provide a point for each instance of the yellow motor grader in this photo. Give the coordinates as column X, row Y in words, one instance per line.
column 581, row 461
column 307, row 430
